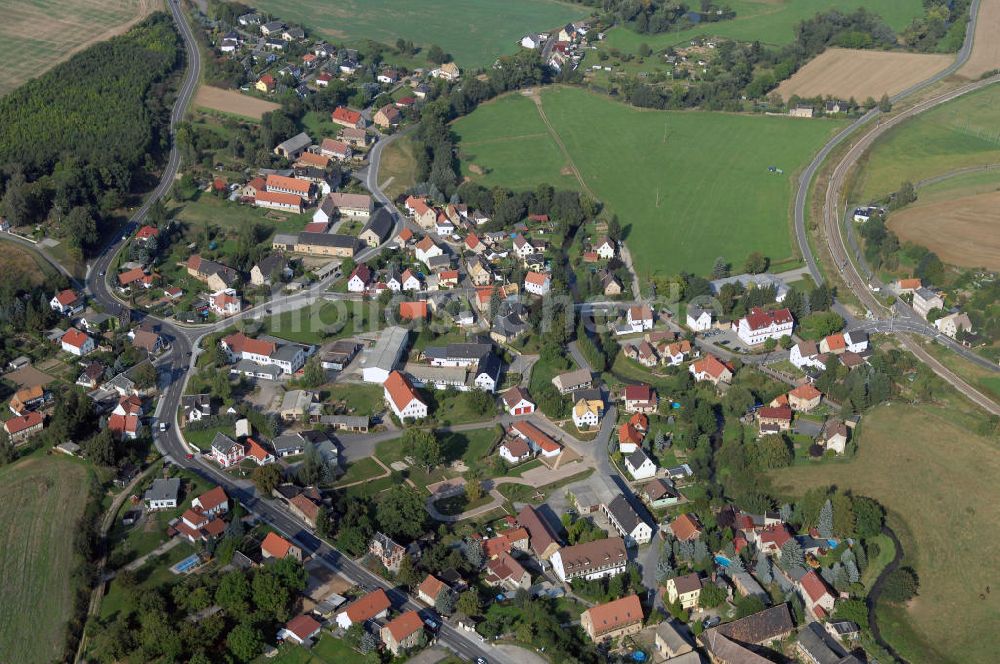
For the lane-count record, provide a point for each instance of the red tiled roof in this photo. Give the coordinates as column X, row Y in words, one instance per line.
column 614, row 615
column 535, row 435
column 293, row 184
column 343, row 114
column 275, row 545
column 814, row 586
column 685, row 527
column 368, row 606
column 129, row 276
column 536, row 278
column 711, row 365
column 413, row 310
column 404, row 625
column 628, row 434
column 639, row 421
column 17, row 424
column 314, row 159
column 777, row 535
column 256, row 450
column 67, row 297
column 431, row 586
column 836, row 342
column 303, row 626
column 504, row 542
column 418, row 205
column 505, row 566
column 400, row 390
column 123, row 423
column 213, row 498
column 147, row 232
column 779, row 413
column 241, row 343
column 638, row 392
column 759, row 318
column 805, row 391
column 75, row 338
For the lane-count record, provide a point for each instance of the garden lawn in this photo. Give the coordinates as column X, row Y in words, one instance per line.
column 961, row 133
column 41, row 502
column 687, row 186
column 768, row 21
column 475, row 32
column 323, row 321
column 936, row 478
column 363, row 399
column 397, row 169
column 362, row 469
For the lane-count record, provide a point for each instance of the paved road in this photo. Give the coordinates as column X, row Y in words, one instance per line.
column 174, row 374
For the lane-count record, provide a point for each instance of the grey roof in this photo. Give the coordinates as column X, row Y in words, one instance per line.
column 489, row 365
column 296, row 143
column 573, row 378
column 460, row 351
column 288, row 442
column 271, row 26
column 695, row 311
column 637, row 458
column 381, row 224
column 438, row 262
column 388, row 348
column 296, row 400
column 284, row 239
column 756, row 280
column 624, row 514
column 268, row 264
column 820, row 646
column 328, row 451
column 329, row 240
column 676, row 642
column 349, row 421
column 223, row 443
column 163, row 489
column 587, row 393
column 925, row 293
column 251, row 367
column 286, row 352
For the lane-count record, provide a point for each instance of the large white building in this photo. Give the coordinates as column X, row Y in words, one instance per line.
column 402, row 398
column 266, row 351
column 760, row 325
column 698, row 319
column 384, row 356
column 590, row 560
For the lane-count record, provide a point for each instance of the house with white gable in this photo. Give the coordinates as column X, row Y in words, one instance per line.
column 806, row 354
column 426, row 249
column 760, row 325
column 402, row 398
column 605, row 248
column 537, row 283
column 67, row 302
column 77, row 343
column 638, row 318
column 225, row 302
column 409, row 281
column 360, row 279
column 639, row 465
column 698, row 319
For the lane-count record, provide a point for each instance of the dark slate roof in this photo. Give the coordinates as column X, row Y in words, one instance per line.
column 461, row 351
column 624, row 514
column 381, row 223
column 761, row 627
column 489, row 365
column 637, row 458
column 223, row 443
column 821, row 647
column 329, row 240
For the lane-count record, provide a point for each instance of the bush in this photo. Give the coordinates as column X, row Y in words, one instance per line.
column 901, row 585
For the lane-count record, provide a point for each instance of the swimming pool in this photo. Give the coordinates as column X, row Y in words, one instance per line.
column 185, row 565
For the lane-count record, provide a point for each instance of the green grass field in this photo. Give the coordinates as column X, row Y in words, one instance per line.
column 955, row 135
column 913, row 459
column 768, row 21
column 41, row 501
column 687, row 186
column 475, row 32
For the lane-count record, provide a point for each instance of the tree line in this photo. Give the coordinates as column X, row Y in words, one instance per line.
column 75, row 141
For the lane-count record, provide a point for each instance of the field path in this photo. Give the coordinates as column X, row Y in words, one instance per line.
column 537, row 98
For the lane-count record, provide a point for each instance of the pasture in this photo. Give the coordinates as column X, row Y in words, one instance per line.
column 41, row 500
column 38, row 34
column 232, row 102
column 985, row 46
column 475, row 32
column 21, row 266
column 687, row 186
column 936, row 479
column 962, row 133
column 771, row 22
column 963, row 231
column 846, row 73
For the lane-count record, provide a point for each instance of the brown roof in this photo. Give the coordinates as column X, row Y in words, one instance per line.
column 687, row 583
column 505, row 566
column 760, row 627
column 540, row 536
column 306, row 506
column 686, row 527
column 517, row 447
column 303, row 626
column 275, row 545
column 145, row 340
column 368, row 607
column 284, row 182
column 590, row 555
column 213, row 498
column 805, row 391
column 314, row 159
column 431, row 586
column 514, row 395
column 278, row 198
column 775, row 413
column 657, row 489
column 615, row 615
column 404, row 625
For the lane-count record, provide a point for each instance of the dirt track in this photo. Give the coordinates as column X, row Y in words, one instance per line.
column 232, row 101
column 986, row 47
column 964, row 231
column 846, row 73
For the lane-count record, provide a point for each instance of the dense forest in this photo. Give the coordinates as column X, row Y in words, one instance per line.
column 76, row 140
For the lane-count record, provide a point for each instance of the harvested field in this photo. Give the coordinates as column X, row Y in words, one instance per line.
column 28, row 376
column 846, row 73
column 963, row 231
column 233, row 102
column 985, row 46
column 936, row 478
column 41, row 500
column 38, row 34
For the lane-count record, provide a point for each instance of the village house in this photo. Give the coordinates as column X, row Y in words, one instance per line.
column 925, row 300
column 28, row 398
column 818, row 597
column 639, row 399
column 215, row 275
column 698, row 319
column 402, row 398
column 506, row 572
column 512, row 539
column 422, row 213
column 711, row 369
column 671, row 644
column 627, row 522
column 629, row 438
column 537, row 283
column 536, row 439
column 67, row 302
column 426, row 250
column 448, row 71
column 954, row 323
column 276, row 546
column 588, row 409
column 162, row 495
column 402, row 632
column 77, row 343
column 429, row 589
column 541, row 539
column 590, row 560
column 225, row 302
column 604, row 248
column 416, row 310
column 686, row 527
column 225, row 451
column 804, row 398
column 771, row 419
column 514, row 450
column 639, row 317
column 346, row 117
column 325, row 244
column 265, row 84
column 573, row 380
column 339, row 150
column 22, row 427
column 833, row 436
column 639, row 465
column 336, row 203
column 685, row 589
column 271, row 268
column 293, row 147
column 613, row 620
column 375, row 605
column 660, row 493
column 806, row 354
column 611, row 286
column 377, row 229
column 387, row 116
column 300, row 630
column 285, row 356
column 760, row 325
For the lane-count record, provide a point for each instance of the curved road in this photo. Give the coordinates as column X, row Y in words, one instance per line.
column 908, row 320
column 173, row 377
